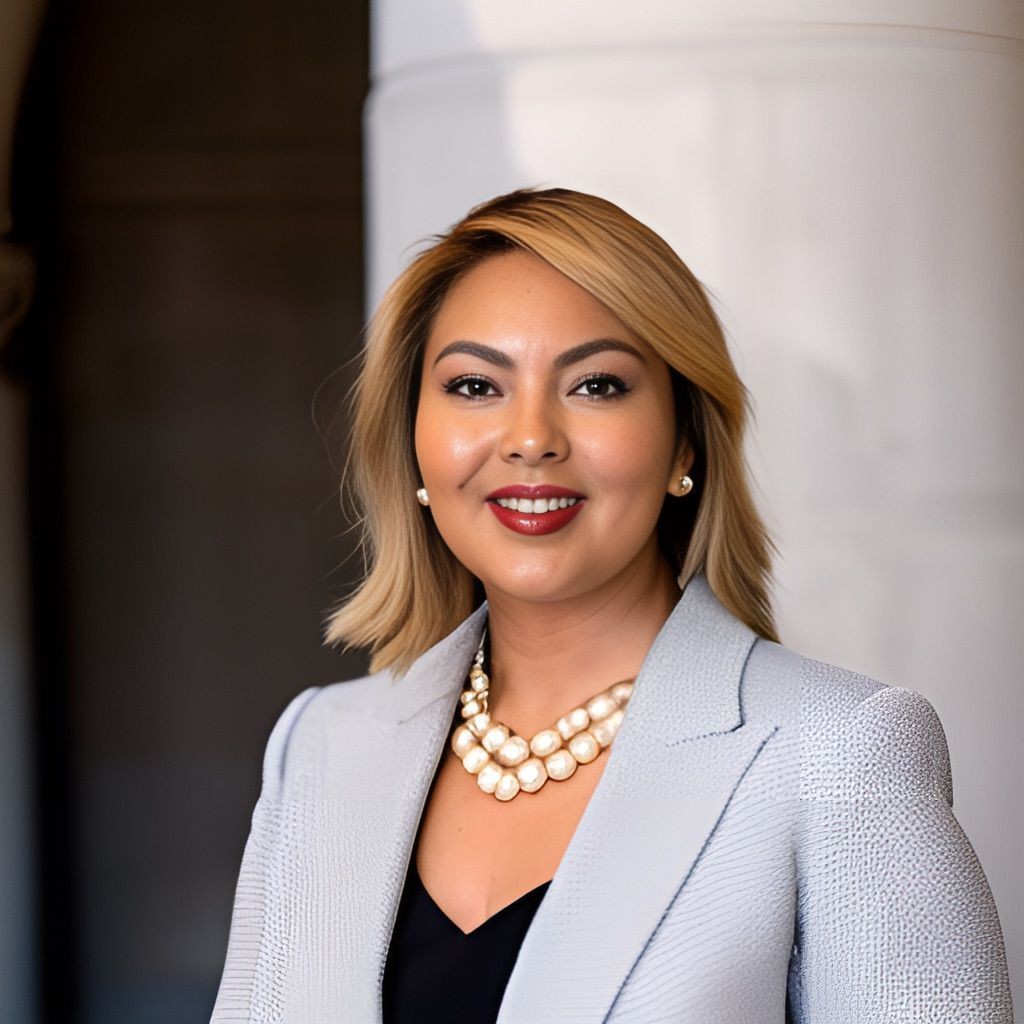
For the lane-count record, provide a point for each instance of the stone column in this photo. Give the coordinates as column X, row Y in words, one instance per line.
column 847, row 179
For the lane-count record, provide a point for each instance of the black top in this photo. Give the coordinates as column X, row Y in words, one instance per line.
column 435, row 972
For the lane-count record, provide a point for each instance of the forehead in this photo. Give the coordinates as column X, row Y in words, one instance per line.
column 517, row 298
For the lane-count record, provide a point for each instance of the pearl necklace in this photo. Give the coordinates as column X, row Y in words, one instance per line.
column 576, row 738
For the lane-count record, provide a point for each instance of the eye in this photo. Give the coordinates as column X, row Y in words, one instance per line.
column 597, row 385
column 477, row 386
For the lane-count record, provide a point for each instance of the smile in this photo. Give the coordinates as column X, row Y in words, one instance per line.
column 535, row 505
column 535, row 516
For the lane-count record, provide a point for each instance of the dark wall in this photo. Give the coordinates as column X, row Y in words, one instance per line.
column 208, row 282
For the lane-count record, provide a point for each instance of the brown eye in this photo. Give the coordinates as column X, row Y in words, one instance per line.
column 476, row 387
column 602, row 386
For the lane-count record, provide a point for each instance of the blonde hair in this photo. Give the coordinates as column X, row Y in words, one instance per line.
column 414, row 591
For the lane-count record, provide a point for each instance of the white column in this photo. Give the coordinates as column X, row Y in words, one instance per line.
column 848, row 179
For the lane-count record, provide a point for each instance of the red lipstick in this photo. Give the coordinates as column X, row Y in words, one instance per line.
column 535, row 523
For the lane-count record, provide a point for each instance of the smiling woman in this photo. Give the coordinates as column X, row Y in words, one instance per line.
column 591, row 420
column 568, row 282
column 584, row 780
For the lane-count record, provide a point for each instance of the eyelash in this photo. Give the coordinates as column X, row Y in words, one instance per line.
column 456, row 382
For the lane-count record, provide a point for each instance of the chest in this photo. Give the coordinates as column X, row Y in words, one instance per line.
column 669, row 858
column 476, row 854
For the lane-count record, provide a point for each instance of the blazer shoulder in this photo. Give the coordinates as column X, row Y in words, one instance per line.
column 894, row 910
column 781, row 682
column 311, row 717
column 275, row 752
column 857, row 734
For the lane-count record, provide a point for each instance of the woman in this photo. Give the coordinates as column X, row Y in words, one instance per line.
column 584, row 781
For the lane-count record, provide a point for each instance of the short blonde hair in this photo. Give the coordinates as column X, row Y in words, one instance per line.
column 414, row 591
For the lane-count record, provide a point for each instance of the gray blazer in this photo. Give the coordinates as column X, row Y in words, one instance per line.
column 771, row 839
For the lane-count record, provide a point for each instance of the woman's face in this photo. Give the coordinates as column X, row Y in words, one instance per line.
column 530, row 384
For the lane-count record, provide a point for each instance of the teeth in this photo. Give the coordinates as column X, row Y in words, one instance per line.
column 536, row 505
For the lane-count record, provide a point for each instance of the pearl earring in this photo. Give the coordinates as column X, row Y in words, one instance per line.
column 685, row 485
column 422, row 497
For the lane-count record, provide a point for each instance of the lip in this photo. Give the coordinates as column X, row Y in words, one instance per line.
column 537, row 491
column 534, row 524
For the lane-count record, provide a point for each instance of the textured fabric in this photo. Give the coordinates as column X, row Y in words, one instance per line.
column 770, row 835
column 436, row 974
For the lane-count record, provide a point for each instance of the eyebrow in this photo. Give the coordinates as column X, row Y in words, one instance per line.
column 571, row 355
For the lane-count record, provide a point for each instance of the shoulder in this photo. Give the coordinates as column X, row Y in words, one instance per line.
column 311, row 715
column 857, row 735
column 777, row 677
column 894, row 912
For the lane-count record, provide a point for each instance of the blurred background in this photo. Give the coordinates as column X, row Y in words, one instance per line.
column 200, row 205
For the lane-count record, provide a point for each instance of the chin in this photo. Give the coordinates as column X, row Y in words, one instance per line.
column 535, row 584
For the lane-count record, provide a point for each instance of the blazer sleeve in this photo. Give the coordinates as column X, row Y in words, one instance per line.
column 895, row 918
column 254, row 879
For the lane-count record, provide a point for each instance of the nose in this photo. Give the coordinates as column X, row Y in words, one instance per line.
column 534, row 431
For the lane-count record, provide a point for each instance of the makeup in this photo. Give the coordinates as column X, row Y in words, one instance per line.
column 533, row 523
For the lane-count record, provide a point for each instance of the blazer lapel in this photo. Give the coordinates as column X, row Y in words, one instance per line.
column 679, row 754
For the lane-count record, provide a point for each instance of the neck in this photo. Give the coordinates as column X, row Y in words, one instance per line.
column 549, row 657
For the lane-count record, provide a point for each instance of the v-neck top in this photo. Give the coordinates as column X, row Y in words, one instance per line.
column 435, row 972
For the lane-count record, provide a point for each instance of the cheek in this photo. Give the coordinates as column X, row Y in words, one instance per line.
column 446, row 446
column 628, row 455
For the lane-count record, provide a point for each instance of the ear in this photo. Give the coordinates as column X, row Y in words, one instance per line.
column 685, row 456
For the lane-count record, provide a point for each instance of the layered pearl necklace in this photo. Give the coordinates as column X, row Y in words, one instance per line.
column 502, row 761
